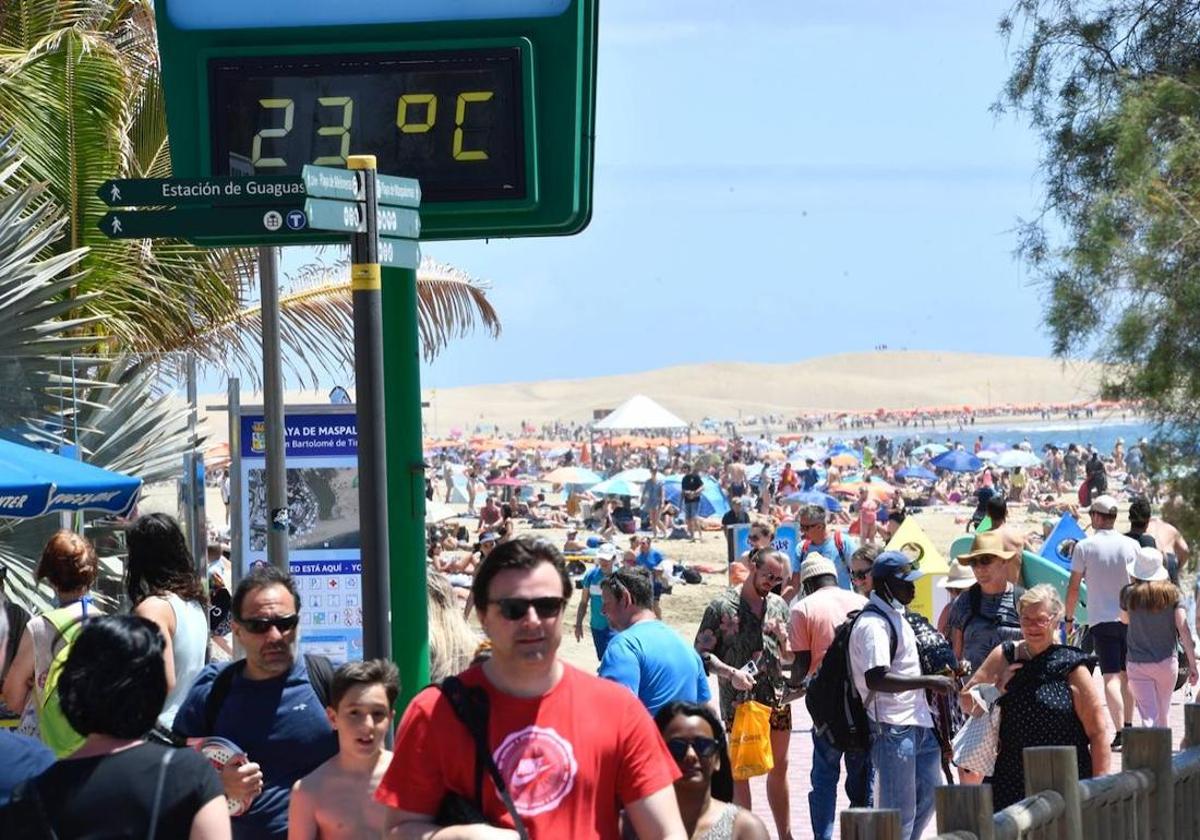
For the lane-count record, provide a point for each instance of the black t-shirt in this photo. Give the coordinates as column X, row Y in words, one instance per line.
column 692, row 484
column 111, row 796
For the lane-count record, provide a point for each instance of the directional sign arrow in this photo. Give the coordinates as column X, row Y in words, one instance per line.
column 397, row 192
column 399, row 253
column 402, row 224
column 196, row 222
column 167, row 192
column 335, row 215
column 327, row 182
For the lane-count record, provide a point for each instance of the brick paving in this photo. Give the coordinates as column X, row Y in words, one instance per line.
column 800, row 765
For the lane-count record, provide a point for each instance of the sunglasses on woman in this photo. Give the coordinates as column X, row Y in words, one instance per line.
column 258, row 626
column 515, row 609
column 984, row 561
column 703, row 747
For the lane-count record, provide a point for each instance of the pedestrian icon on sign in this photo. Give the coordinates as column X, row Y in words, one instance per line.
column 296, row 220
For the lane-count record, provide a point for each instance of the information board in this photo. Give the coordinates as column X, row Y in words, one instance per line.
column 322, row 521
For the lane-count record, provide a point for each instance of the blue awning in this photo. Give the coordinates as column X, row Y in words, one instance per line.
column 33, row 483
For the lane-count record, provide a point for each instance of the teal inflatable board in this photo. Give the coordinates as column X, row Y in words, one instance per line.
column 1036, row 569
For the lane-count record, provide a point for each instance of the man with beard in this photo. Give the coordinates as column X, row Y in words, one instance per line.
column 566, row 775
column 749, row 624
column 271, row 704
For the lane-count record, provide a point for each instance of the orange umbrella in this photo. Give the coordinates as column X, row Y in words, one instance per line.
column 845, row 459
column 878, row 492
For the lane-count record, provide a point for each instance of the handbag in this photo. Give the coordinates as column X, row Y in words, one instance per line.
column 750, row 741
column 976, row 744
column 470, row 706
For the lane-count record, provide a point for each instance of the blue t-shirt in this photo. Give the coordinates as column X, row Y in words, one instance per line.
column 23, row 758
column 809, row 477
column 651, row 560
column 591, row 583
column 652, row 661
column 279, row 723
column 829, row 550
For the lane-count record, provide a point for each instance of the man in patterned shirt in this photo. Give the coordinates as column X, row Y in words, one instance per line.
column 749, row 624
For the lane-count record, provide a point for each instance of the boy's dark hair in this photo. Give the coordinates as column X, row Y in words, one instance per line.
column 367, row 672
column 522, row 553
column 262, row 576
column 159, row 561
column 1139, row 511
column 997, row 508
column 636, row 581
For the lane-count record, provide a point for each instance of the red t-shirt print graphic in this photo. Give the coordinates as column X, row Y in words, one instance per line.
column 539, row 766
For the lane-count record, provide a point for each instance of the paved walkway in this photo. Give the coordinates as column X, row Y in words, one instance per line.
column 800, row 765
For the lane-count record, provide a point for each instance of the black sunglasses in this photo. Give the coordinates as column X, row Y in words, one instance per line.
column 704, row 747
column 983, row 560
column 515, row 609
column 282, row 623
column 860, row 574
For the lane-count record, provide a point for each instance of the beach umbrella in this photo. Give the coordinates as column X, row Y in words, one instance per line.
column 930, row 449
column 616, row 486
column 878, row 492
column 814, row 497
column 844, row 459
column 712, row 499
column 957, row 460
column 1010, row 458
column 573, row 475
column 636, row 474
column 918, row 473
column 505, row 481
column 985, row 455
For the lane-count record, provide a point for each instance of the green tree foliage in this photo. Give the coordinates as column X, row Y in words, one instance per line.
column 1114, row 90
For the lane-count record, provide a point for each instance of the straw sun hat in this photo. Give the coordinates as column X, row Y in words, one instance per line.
column 988, row 544
column 960, row 577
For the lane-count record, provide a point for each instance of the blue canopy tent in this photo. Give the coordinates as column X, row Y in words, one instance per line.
column 712, row 500
column 34, row 483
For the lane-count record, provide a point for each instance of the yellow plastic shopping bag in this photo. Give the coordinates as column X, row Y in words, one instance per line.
column 750, row 741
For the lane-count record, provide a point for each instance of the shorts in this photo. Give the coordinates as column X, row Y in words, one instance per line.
column 781, row 719
column 691, row 509
column 737, row 490
column 1109, row 640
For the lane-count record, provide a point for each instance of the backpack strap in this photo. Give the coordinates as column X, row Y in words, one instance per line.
column 975, row 600
column 470, row 706
column 217, row 693
column 320, row 675
column 840, row 544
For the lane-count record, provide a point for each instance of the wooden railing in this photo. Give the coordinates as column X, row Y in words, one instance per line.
column 1155, row 797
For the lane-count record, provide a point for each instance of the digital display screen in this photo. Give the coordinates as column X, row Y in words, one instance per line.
column 454, row 120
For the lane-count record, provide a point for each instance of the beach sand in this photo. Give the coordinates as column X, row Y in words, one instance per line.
column 890, row 379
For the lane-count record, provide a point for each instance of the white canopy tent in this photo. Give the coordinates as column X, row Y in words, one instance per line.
column 640, row 412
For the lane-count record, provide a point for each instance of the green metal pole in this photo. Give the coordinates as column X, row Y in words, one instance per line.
column 405, row 481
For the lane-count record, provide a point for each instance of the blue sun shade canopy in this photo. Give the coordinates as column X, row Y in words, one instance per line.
column 34, row 483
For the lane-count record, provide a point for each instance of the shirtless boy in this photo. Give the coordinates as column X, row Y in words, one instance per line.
column 335, row 802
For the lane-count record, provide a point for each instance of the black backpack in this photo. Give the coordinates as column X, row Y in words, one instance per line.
column 975, row 601
column 833, row 703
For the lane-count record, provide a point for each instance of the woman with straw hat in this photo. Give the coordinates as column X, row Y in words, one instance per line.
column 986, row 614
column 1157, row 622
column 955, row 583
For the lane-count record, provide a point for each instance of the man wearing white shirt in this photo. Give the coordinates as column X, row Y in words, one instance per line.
column 904, row 747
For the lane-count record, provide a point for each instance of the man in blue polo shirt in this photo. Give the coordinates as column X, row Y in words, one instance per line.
column 270, row 709
column 646, row 656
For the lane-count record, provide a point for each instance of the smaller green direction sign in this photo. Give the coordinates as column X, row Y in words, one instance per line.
column 399, row 253
column 327, row 182
column 397, row 192
column 335, row 215
column 196, row 222
column 166, row 192
column 393, row 221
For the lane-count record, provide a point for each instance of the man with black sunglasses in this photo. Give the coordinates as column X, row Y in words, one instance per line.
column 572, row 750
column 266, row 704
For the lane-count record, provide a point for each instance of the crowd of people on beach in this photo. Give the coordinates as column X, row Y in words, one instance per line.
column 135, row 721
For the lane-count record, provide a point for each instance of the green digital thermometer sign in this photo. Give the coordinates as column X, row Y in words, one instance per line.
column 495, row 117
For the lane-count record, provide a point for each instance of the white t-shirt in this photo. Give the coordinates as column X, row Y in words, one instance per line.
column 1104, row 559
column 871, row 647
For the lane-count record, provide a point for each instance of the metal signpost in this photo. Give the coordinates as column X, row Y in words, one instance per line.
column 494, row 116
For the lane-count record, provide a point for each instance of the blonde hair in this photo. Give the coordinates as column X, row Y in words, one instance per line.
column 451, row 642
column 1042, row 594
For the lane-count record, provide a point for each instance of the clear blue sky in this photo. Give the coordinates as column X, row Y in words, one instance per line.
column 775, row 181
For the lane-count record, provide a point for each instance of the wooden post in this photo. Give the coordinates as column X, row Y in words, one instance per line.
column 870, row 824
column 1191, row 726
column 1150, row 749
column 1056, row 769
column 966, row 808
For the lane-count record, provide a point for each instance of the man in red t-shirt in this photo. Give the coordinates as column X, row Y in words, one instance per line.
column 573, row 749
